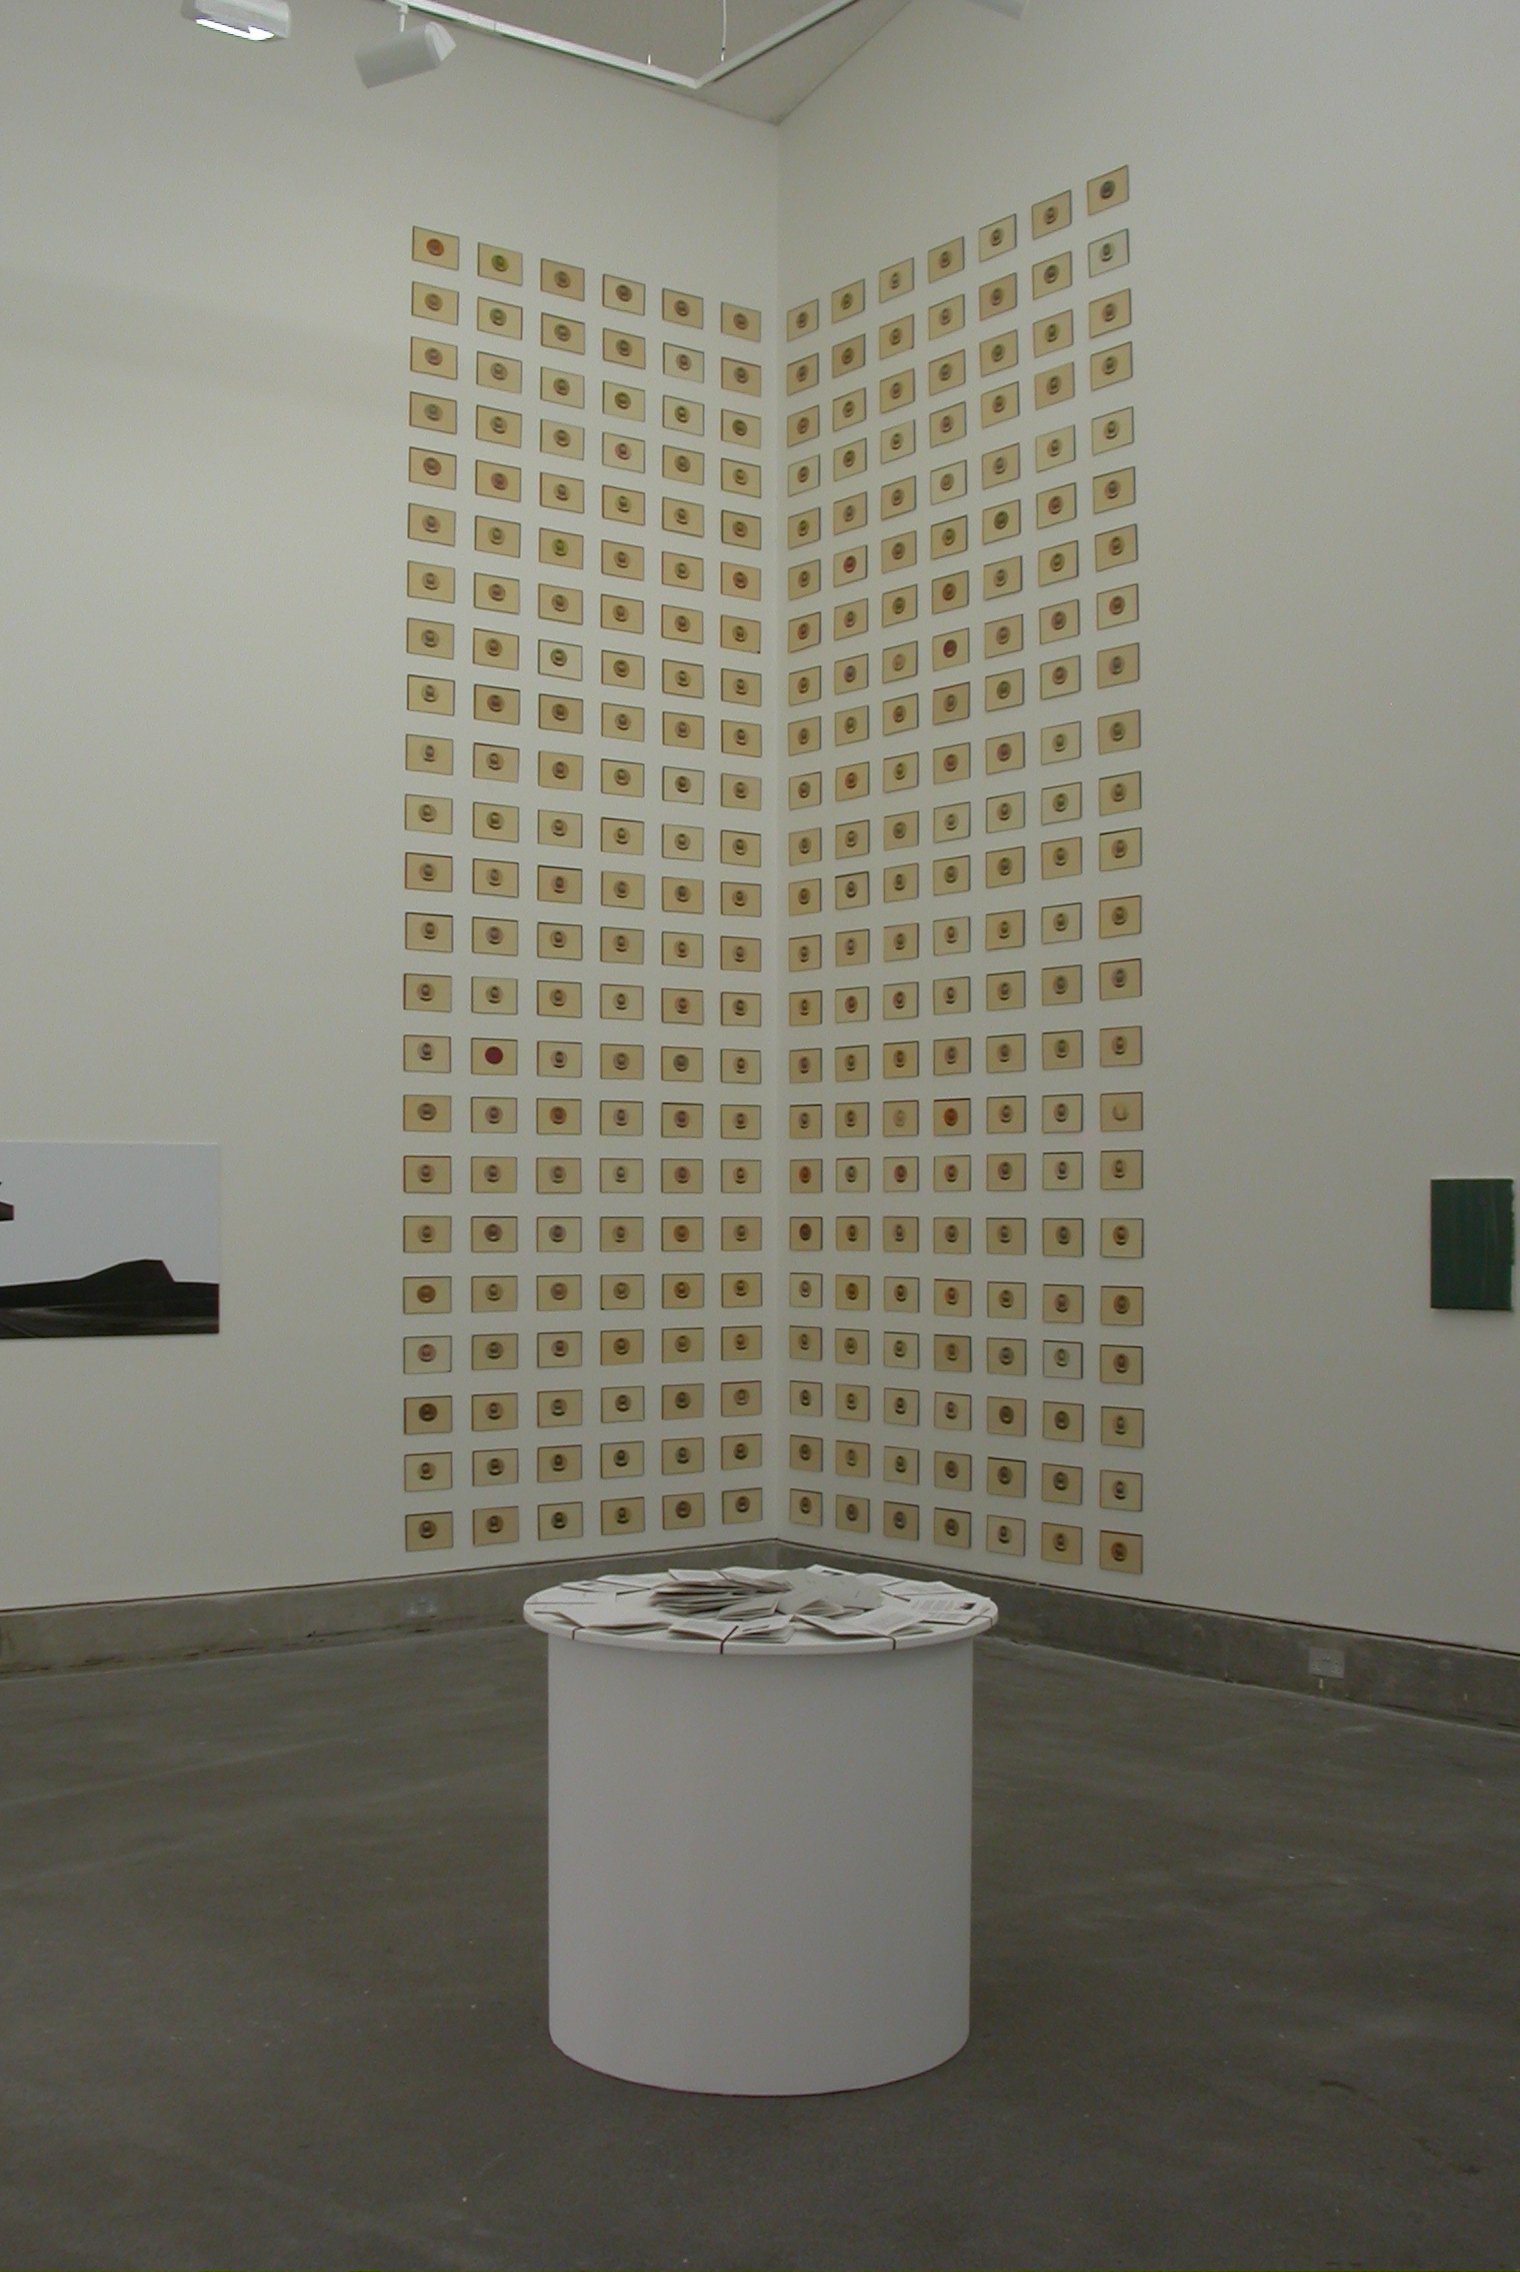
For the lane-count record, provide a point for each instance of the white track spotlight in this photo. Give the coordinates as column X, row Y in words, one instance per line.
column 406, row 55
column 242, row 19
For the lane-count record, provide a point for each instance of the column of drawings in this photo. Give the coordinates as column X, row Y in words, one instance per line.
column 965, row 1105
column 599, row 611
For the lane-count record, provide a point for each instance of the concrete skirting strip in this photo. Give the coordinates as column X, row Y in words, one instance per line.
column 77, row 1635
column 1440, row 1679
column 1433, row 1677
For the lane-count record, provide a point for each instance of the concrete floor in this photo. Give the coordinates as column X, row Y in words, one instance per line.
column 272, row 1946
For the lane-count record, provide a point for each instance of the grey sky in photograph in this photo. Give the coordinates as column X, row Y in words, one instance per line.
column 81, row 1207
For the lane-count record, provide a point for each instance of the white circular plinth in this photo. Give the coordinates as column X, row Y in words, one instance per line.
column 759, row 1859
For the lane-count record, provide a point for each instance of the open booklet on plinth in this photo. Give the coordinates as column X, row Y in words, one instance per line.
column 743, row 1603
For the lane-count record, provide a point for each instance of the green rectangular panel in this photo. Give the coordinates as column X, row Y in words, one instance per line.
column 1472, row 1243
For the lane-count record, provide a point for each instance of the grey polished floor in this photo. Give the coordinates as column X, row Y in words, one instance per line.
column 272, row 1945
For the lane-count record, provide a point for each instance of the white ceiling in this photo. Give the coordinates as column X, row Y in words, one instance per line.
column 686, row 36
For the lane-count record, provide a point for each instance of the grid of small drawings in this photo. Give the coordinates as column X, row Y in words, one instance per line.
column 584, row 904
column 591, row 762
column 963, row 979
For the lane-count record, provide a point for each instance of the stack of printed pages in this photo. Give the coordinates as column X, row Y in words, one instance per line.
column 747, row 1604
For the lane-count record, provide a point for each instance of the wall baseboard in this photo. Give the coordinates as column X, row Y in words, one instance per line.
column 77, row 1636
column 1431, row 1677
column 1440, row 1679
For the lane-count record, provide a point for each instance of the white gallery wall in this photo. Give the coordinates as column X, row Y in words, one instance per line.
column 203, row 384
column 203, row 267
column 1324, row 204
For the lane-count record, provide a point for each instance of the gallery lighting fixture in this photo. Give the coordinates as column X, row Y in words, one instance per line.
column 406, row 54
column 241, row 19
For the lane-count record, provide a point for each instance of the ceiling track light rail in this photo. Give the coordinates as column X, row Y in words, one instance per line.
column 410, row 52
column 686, row 82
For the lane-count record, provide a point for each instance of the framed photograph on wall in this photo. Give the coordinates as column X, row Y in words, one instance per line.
column 109, row 1239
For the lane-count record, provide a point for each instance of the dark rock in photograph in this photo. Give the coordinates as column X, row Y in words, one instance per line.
column 129, row 1297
